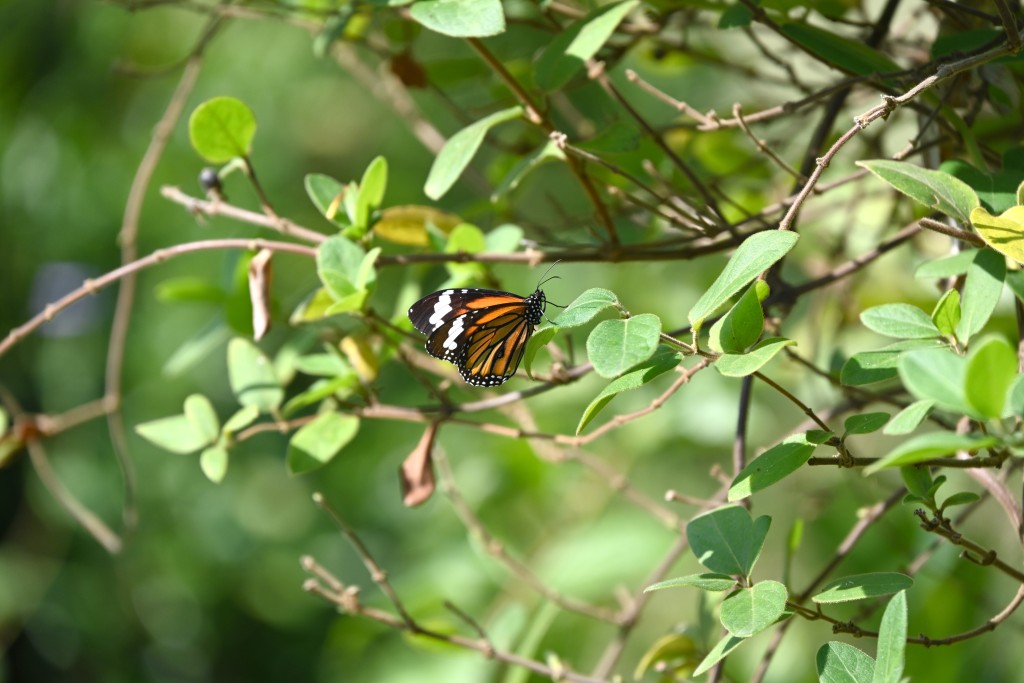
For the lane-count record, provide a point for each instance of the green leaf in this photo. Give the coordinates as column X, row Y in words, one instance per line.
column 504, row 239
column 549, row 151
column 708, row 582
column 339, row 261
column 741, row 365
column 727, row 540
column 892, row 641
column 203, row 418
column 982, row 288
column 865, row 423
column 541, row 338
column 408, row 224
column 937, row 375
column 991, row 369
column 757, row 253
column 852, row 56
column 928, row 447
column 935, row 189
column 252, row 377
column 775, row 464
column 374, row 184
column 735, row 16
column 241, row 419
column 675, row 654
column 585, row 307
column 460, row 18
column 908, row 419
column 752, row 610
column 719, row 652
column 1015, row 397
column 917, row 479
column 946, row 315
column 214, row 463
column 221, row 129
column 460, row 149
column 843, row 663
column 960, row 498
column 314, row 307
column 862, row 587
column 947, row 266
column 570, row 50
column 869, row 367
column 176, row 434
column 324, row 191
column 615, row 346
column 316, row 443
column 189, row 289
column 661, row 362
column 899, row 320
column 996, row 190
column 742, row 324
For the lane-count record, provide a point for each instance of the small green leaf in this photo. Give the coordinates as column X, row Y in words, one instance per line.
column 460, row 148
column 935, row 189
column 917, row 479
column 374, row 184
column 719, row 652
column 504, row 239
column 899, row 320
column 742, row 324
column 936, row 375
column 991, row 369
column 775, row 464
column 316, row 443
column 585, row 307
column 252, row 376
column 201, row 415
column 908, row 419
column 1015, row 397
column 752, row 610
column 982, row 287
column 214, row 463
column 869, row 367
column 863, row 587
column 960, row 498
column 541, row 338
column 314, row 307
column 221, row 129
column 727, row 540
column 460, row 18
column 865, row 423
column 757, row 253
column 570, row 50
column 708, row 582
column 175, row 434
column 843, row 663
column 190, row 289
column 947, row 266
column 240, row 420
column 928, row 447
column 741, row 365
column 892, row 641
column 662, row 361
column 324, row 191
column 338, row 263
column 615, row 346
column 852, row 56
column 946, row 315
column 548, row 151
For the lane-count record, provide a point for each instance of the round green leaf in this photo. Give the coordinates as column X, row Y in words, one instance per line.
column 865, row 423
column 201, row 415
column 176, row 434
column 214, row 463
column 460, row 18
column 752, row 610
column 843, row 663
column 615, row 346
column 252, row 376
column 316, row 443
column 900, row 320
column 863, row 587
column 773, row 465
column 727, row 540
column 743, row 364
column 585, row 307
column 221, row 129
column 242, row 419
column 991, row 368
column 982, row 288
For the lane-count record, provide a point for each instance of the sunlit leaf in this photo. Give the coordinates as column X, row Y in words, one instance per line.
column 221, row 129
column 460, row 149
column 615, row 346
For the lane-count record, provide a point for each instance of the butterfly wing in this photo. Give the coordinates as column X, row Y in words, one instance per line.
column 432, row 311
column 494, row 346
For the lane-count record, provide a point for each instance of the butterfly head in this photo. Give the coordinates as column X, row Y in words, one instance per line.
column 536, row 303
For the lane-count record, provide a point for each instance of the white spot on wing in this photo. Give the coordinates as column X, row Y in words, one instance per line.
column 442, row 308
column 453, row 333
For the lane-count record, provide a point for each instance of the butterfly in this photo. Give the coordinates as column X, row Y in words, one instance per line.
column 483, row 332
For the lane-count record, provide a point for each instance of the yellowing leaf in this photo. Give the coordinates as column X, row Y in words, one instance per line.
column 408, row 224
column 1004, row 233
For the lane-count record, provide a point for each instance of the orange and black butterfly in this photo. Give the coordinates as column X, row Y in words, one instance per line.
column 483, row 332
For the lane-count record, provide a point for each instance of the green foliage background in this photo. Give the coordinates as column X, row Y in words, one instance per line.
column 208, row 586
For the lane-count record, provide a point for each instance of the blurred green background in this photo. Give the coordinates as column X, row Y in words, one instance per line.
column 208, row 587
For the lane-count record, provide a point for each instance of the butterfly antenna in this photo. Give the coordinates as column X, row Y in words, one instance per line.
column 553, row 277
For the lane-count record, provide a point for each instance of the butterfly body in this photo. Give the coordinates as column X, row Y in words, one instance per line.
column 483, row 332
